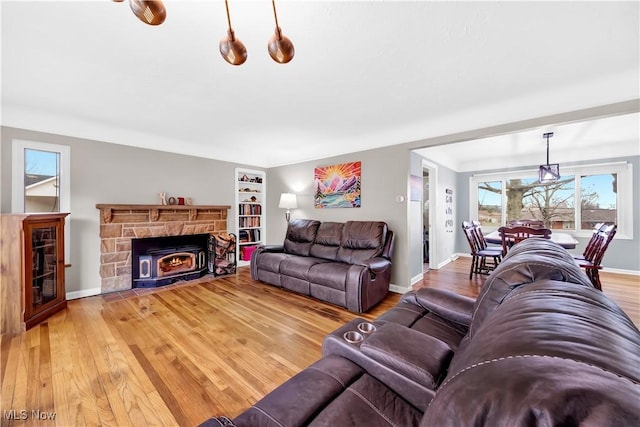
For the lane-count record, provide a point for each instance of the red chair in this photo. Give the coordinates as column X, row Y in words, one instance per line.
column 592, row 263
column 483, row 259
column 513, row 235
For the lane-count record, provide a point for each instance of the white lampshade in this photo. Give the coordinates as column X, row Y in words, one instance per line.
column 288, row 201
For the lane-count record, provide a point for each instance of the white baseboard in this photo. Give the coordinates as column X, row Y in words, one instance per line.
column 621, row 271
column 417, row 278
column 83, row 293
column 398, row 289
column 447, row 261
column 604, row 269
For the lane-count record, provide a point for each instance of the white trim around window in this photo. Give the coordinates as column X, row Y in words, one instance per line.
column 624, row 202
column 17, row 180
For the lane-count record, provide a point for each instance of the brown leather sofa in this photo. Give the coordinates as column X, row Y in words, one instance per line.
column 347, row 264
column 540, row 346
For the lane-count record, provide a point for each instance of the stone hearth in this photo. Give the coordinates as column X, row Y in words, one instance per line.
column 120, row 223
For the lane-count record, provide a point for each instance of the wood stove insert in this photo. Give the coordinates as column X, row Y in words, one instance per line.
column 159, row 261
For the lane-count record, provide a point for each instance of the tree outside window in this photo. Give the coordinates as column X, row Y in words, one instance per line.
column 598, row 199
column 490, row 203
column 552, row 203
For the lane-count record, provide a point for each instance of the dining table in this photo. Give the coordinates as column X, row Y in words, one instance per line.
column 565, row 240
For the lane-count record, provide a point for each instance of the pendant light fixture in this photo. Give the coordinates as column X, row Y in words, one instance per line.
column 151, row 12
column 280, row 47
column 550, row 172
column 232, row 49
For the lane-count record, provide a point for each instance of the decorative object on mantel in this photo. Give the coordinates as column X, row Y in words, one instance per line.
column 175, row 200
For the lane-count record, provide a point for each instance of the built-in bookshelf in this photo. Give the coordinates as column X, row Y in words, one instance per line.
column 250, row 211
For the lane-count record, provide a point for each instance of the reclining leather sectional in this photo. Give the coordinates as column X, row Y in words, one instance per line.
column 347, row 264
column 538, row 347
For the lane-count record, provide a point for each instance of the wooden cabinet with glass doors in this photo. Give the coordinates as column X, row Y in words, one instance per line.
column 32, row 262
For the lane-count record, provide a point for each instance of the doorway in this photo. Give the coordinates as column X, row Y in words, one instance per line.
column 425, row 219
column 429, row 187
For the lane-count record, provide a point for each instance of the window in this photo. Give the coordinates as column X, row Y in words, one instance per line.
column 40, row 180
column 581, row 198
column 598, row 199
column 551, row 203
column 490, row 203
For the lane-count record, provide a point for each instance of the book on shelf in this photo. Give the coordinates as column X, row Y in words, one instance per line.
column 247, row 222
column 250, row 209
column 251, row 235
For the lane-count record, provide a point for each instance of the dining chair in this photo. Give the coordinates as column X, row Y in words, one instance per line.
column 477, row 228
column 513, row 235
column 592, row 243
column 483, row 259
column 593, row 259
column 533, row 223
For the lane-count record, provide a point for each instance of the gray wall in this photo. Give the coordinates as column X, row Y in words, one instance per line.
column 105, row 173
column 385, row 174
column 111, row 173
column 622, row 254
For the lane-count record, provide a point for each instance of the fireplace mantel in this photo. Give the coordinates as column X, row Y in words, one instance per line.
column 107, row 210
column 120, row 223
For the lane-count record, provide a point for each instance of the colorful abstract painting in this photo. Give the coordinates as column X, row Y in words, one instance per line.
column 337, row 186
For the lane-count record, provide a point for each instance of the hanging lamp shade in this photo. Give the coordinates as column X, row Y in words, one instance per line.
column 150, row 12
column 232, row 50
column 280, row 47
column 550, row 172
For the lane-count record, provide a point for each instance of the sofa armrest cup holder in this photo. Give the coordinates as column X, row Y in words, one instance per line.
column 366, row 327
column 356, row 337
column 353, row 337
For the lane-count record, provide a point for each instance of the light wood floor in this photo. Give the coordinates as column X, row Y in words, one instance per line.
column 177, row 356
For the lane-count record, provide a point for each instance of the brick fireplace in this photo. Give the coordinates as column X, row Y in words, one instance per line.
column 119, row 224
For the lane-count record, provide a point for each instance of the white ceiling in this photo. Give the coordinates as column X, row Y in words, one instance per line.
column 366, row 73
column 611, row 137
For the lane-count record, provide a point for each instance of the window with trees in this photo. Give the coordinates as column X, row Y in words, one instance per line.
column 581, row 198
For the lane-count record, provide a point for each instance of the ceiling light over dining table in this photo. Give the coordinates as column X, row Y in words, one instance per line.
column 548, row 173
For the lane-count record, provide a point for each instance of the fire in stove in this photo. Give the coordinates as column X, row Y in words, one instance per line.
column 176, row 263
